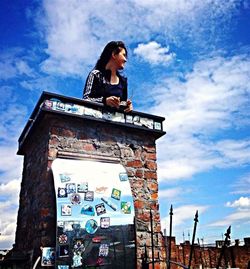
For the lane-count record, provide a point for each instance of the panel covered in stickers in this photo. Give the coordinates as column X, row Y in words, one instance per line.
column 95, row 215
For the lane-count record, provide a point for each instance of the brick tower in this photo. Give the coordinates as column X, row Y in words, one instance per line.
column 74, row 129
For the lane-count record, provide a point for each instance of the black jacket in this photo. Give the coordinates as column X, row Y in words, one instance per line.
column 96, row 84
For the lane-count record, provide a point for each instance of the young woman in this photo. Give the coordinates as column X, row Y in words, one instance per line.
column 104, row 83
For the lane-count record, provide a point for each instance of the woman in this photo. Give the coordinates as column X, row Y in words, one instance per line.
column 104, row 83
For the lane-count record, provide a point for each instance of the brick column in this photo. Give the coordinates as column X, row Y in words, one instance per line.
column 53, row 134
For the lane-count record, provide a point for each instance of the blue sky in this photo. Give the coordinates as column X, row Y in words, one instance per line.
column 189, row 61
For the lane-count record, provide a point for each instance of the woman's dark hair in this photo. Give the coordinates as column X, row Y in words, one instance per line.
column 112, row 47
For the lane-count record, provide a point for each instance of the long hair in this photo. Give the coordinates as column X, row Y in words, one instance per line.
column 112, row 47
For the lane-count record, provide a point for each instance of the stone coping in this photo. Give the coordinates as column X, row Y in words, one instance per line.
column 74, row 107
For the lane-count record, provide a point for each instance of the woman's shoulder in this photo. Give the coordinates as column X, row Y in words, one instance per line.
column 95, row 72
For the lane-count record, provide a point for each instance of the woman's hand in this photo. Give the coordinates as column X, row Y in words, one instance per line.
column 129, row 106
column 113, row 101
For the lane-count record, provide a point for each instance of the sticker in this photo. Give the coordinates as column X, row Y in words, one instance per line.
column 48, row 104
column 60, row 224
column 69, row 225
column 147, row 123
column 126, row 207
column 110, row 204
column 75, row 199
column 104, row 222
column 123, row 176
column 98, row 239
column 118, row 117
column 116, row 194
column 136, row 120
column 77, row 260
column 89, row 196
column 107, row 116
column 101, row 190
column 129, row 119
column 92, row 112
column 62, row 192
column 64, row 251
column 103, row 250
column 63, row 238
column 76, row 226
column 60, row 106
column 66, row 210
column 62, row 266
column 72, row 108
column 71, row 188
column 91, row 226
column 48, row 256
column 82, row 187
column 64, row 177
column 88, row 210
column 78, row 246
column 100, row 209
column 157, row 125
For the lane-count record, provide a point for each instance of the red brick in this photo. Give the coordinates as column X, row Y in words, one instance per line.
column 135, row 163
column 150, row 175
column 151, row 165
column 139, row 204
column 153, row 186
column 154, row 196
column 149, row 156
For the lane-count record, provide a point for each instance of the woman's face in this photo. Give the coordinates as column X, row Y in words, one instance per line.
column 120, row 59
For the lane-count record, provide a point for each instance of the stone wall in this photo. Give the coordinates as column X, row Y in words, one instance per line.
column 58, row 135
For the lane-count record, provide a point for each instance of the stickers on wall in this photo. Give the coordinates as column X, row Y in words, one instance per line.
column 64, row 178
column 91, row 226
column 123, row 176
column 104, row 222
column 78, row 246
column 88, row 210
column 86, row 207
column 82, row 187
column 48, row 256
column 55, row 104
column 75, row 199
column 101, row 190
column 63, row 238
column 109, row 203
column 126, row 207
column 77, row 259
column 64, row 251
column 62, row 192
column 89, row 196
column 66, row 210
column 100, row 209
column 116, row 194
column 62, row 266
column 103, row 250
column 71, row 188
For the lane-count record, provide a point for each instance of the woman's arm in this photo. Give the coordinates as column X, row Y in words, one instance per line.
column 93, row 90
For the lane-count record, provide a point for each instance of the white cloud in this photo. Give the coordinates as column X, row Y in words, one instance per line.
column 242, row 202
column 13, row 64
column 9, row 194
column 76, row 31
column 154, row 53
column 183, row 214
column 241, row 186
column 208, row 100
column 240, row 217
